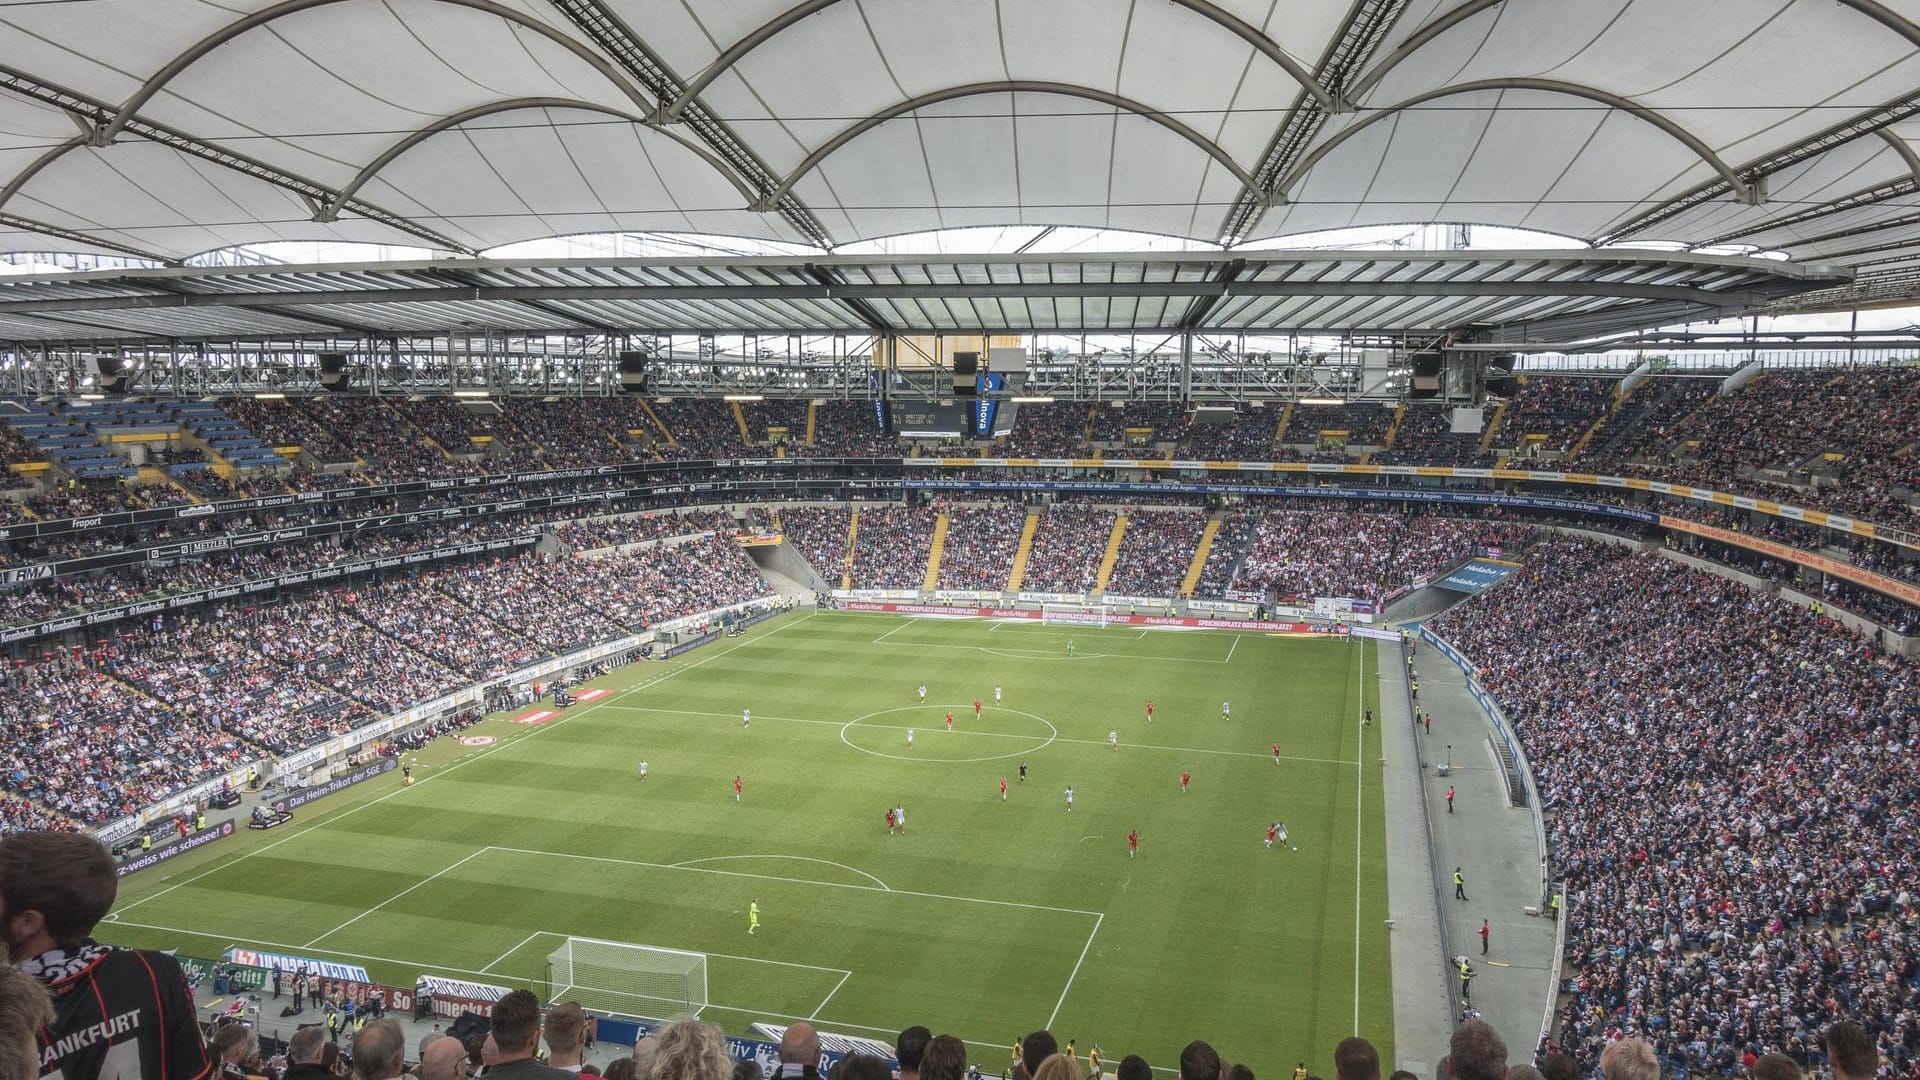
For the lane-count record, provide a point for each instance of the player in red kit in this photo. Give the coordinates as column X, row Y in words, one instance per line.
column 736, row 789
column 1133, row 842
column 1273, row 833
column 1149, row 712
column 949, row 719
column 1276, row 753
column 976, row 708
column 1184, row 777
column 1003, row 789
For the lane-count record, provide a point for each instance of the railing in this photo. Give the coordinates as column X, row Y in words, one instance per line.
column 1447, row 970
column 1503, row 731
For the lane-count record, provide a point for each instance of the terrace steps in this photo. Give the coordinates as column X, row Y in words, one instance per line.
column 1025, row 549
column 932, row 579
column 740, row 418
column 1280, row 427
column 853, row 534
column 1393, row 429
column 1493, row 425
column 1200, row 553
column 1112, row 554
column 658, row 423
column 813, row 416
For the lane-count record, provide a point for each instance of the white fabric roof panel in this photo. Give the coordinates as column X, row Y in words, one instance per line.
column 320, row 92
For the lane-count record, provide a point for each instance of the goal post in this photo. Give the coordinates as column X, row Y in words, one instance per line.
column 623, row 977
column 1073, row 615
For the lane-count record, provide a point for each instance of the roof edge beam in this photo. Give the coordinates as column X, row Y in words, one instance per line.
column 1418, row 38
column 15, row 221
column 773, row 27
column 1741, row 189
column 331, row 210
column 1016, row 86
column 158, row 81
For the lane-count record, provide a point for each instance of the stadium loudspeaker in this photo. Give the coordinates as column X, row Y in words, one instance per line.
column 633, row 373
column 966, row 374
column 1426, row 363
column 109, row 373
column 333, row 371
column 1424, row 387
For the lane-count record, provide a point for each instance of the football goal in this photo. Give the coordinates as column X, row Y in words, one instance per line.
column 619, row 976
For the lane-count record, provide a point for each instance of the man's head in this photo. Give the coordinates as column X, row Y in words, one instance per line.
column 378, row 1049
column 235, row 1043
column 304, row 1047
column 1776, row 1067
column 1356, row 1059
column 54, row 887
column 516, row 1025
column 1479, row 1053
column 1558, row 1066
column 1239, row 1071
column 1524, row 1072
column 24, row 1008
column 1135, row 1067
column 566, row 1034
column 1037, row 1048
column 1629, row 1059
column 1402, row 1074
column 910, row 1047
column 443, row 1058
column 945, row 1059
column 1199, row 1062
column 643, row 1055
column 800, row 1046
column 1851, row 1052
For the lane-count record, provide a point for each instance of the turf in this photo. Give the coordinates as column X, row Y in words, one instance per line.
column 985, row 920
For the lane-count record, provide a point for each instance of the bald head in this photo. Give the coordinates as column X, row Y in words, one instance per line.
column 443, row 1059
column 378, row 1049
column 800, row 1046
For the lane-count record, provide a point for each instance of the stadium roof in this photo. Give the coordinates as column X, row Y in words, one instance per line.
column 1520, row 295
column 166, row 128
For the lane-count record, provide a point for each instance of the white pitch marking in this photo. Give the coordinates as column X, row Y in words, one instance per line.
column 463, row 762
column 1075, row 972
column 791, row 858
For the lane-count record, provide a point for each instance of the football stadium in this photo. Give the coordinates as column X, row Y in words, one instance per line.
column 818, row 540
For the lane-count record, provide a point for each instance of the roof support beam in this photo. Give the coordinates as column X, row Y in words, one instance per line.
column 1239, row 27
column 96, row 113
column 1201, row 306
column 1366, row 25
column 155, row 83
column 619, row 41
column 15, row 221
column 568, row 318
column 415, row 138
column 874, row 320
column 1016, row 86
column 1879, row 193
column 1550, row 86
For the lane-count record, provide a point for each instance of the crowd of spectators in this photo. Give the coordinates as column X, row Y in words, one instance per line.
column 702, row 428
column 374, row 433
column 980, row 545
column 637, row 589
column 531, row 598
column 1156, row 552
column 1058, row 429
column 1230, row 546
column 589, row 534
column 1365, row 423
column 847, row 429
column 1560, row 409
column 892, row 546
column 1361, row 554
column 1245, row 436
column 1648, row 415
column 1067, row 549
column 84, row 744
column 292, row 422
column 1166, row 421
column 819, row 534
column 1426, row 437
column 19, row 815
column 1729, row 784
column 576, row 432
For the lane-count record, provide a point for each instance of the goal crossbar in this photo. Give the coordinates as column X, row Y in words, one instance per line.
column 622, row 976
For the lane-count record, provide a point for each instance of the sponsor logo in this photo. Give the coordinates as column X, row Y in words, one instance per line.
column 178, row 847
column 201, row 510
column 43, row 572
column 92, row 522
column 338, row 783
column 593, row 694
column 540, row 717
column 477, row 740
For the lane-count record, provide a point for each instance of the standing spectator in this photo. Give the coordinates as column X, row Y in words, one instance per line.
column 799, row 1054
column 1356, row 1059
column 945, row 1059
column 566, row 1035
column 1629, row 1059
column 908, row 1049
column 1851, row 1053
column 1199, row 1061
column 515, row 1036
column 54, row 888
column 304, row 1051
column 1479, row 1053
column 378, row 1050
column 442, row 1058
column 690, row 1049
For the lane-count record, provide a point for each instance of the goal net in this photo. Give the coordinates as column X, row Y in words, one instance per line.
column 1073, row 615
column 618, row 976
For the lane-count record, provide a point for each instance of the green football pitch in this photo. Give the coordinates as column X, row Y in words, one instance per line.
column 985, row 919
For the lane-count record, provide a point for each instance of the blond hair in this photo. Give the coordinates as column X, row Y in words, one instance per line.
column 1058, row 1067
column 689, row 1049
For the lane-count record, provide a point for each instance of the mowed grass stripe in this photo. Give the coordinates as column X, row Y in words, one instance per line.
column 1207, row 934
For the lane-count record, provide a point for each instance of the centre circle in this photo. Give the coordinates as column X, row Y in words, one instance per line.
column 936, row 730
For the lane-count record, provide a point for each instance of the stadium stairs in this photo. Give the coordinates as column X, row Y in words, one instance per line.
column 740, row 418
column 1280, row 426
column 1200, row 553
column 421, row 434
column 658, row 424
column 1393, row 429
column 939, row 547
column 853, row 535
column 1112, row 555
column 1600, row 422
column 1025, row 549
column 813, row 418
column 1493, row 426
